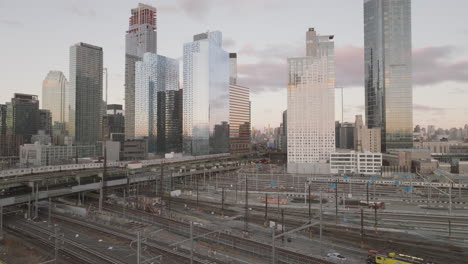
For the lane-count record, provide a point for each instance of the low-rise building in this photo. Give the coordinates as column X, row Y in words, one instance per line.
column 404, row 157
column 433, row 146
column 447, row 167
column 365, row 163
column 135, row 149
column 463, row 167
column 425, row 166
column 32, row 155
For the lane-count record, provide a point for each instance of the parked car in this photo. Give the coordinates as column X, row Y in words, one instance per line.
column 336, row 256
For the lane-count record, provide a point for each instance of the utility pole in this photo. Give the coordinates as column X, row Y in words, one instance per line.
column 273, row 260
column 101, row 195
column 36, row 203
column 1, row 222
column 450, row 199
column 375, row 214
column 222, row 201
column 362, row 228
column 367, row 193
column 50, row 212
column 282, row 224
column 336, row 202
column 56, row 247
column 197, row 192
column 246, row 218
column 161, row 182
column 310, row 212
column 266, row 209
column 320, row 222
column 191, row 242
column 138, row 248
column 450, row 228
column 124, row 202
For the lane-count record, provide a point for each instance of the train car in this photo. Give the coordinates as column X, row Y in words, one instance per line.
column 375, row 257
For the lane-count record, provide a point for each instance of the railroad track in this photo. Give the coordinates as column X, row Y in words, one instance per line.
column 244, row 245
column 71, row 248
column 174, row 256
column 351, row 235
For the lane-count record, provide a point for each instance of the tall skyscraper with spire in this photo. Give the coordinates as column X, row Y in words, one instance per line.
column 311, row 106
column 140, row 39
column 388, row 71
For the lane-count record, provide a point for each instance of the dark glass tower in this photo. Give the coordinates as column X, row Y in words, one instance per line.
column 388, row 71
column 169, row 121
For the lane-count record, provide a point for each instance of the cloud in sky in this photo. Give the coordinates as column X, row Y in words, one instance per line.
column 81, row 11
column 10, row 23
column 196, row 10
column 431, row 109
column 431, row 65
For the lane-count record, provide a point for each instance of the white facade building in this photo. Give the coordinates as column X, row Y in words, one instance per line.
column 35, row 155
column 311, row 107
column 365, row 163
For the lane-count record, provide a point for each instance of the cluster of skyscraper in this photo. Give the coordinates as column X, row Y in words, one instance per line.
column 195, row 119
column 211, row 114
column 388, row 89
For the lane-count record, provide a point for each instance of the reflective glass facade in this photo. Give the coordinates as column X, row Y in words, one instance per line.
column 85, row 93
column 153, row 74
column 54, row 96
column 170, row 121
column 311, row 106
column 388, row 71
column 206, row 95
column 140, row 38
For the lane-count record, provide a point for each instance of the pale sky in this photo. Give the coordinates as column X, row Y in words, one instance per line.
column 37, row 35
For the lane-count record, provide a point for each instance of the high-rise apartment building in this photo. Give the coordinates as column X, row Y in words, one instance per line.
column 140, row 39
column 206, row 95
column 154, row 74
column 388, row 71
column 85, row 93
column 311, row 106
column 239, row 119
column 366, row 139
column 54, row 96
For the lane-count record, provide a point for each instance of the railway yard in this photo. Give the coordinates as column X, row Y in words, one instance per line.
column 225, row 211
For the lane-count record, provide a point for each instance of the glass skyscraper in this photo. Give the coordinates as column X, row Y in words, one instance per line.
column 85, row 94
column 206, row 95
column 140, row 39
column 54, row 96
column 170, row 121
column 388, row 71
column 311, row 106
column 154, row 74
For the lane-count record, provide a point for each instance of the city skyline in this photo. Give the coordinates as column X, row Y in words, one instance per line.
column 261, row 58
